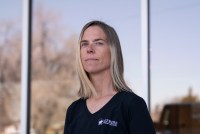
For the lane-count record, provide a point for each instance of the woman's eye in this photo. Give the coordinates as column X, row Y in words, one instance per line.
column 98, row 43
column 84, row 44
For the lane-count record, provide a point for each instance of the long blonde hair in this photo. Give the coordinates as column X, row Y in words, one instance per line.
column 117, row 68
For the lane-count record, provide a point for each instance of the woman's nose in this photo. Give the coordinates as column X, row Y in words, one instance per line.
column 90, row 49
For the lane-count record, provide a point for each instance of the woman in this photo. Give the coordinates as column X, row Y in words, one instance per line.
column 106, row 105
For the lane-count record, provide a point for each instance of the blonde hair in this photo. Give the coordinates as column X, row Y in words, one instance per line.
column 117, row 68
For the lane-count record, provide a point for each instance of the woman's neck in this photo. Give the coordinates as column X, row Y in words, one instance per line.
column 103, row 84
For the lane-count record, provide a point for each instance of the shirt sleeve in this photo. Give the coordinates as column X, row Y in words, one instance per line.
column 140, row 119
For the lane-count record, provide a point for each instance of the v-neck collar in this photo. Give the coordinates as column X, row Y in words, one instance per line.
column 111, row 102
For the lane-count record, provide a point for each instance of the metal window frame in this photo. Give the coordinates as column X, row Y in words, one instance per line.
column 146, row 55
column 26, row 67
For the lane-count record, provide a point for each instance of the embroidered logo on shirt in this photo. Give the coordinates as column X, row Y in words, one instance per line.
column 107, row 122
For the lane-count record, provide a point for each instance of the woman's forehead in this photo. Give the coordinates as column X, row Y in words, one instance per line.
column 94, row 32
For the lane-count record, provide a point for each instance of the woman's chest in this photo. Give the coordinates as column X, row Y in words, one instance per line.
column 108, row 121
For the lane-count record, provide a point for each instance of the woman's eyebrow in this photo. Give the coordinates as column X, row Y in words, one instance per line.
column 99, row 40
column 83, row 41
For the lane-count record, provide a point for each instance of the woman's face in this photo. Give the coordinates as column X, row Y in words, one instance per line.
column 94, row 51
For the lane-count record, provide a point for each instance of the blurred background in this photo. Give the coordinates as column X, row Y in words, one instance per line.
column 175, row 64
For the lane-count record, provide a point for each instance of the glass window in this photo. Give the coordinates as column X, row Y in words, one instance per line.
column 10, row 65
column 175, row 53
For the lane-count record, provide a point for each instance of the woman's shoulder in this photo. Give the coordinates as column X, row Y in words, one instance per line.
column 134, row 105
column 131, row 99
column 131, row 96
column 136, row 113
column 75, row 104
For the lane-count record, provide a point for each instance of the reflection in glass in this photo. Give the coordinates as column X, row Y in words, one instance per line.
column 10, row 66
column 175, row 65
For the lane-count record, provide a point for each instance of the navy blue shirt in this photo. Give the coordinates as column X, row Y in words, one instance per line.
column 125, row 113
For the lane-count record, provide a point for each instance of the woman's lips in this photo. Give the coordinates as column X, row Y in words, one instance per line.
column 90, row 59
